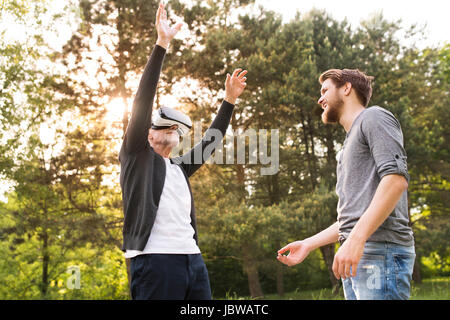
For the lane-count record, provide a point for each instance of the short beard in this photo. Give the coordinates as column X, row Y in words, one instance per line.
column 332, row 114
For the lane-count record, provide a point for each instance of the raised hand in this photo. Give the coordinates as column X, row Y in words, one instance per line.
column 235, row 85
column 165, row 32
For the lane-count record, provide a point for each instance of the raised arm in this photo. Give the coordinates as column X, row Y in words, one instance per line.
column 137, row 131
column 197, row 156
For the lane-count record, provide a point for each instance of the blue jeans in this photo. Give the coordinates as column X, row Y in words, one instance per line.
column 169, row 277
column 384, row 273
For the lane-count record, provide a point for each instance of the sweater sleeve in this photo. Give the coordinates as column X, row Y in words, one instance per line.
column 136, row 136
column 199, row 154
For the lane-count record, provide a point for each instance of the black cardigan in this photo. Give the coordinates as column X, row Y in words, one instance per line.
column 143, row 171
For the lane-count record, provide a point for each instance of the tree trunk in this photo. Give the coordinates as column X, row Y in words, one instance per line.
column 280, row 284
column 251, row 269
column 45, row 263
column 253, row 280
column 274, row 194
column 275, row 197
column 328, row 256
column 416, row 276
column 127, row 261
column 121, row 61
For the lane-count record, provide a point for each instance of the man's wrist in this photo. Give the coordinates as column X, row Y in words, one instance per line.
column 357, row 237
column 309, row 244
column 230, row 100
column 163, row 43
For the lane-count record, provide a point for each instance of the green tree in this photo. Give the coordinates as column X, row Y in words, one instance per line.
column 284, row 63
column 59, row 200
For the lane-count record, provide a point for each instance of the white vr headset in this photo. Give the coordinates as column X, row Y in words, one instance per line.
column 166, row 117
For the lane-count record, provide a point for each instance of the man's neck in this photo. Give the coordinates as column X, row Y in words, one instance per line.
column 349, row 114
column 163, row 152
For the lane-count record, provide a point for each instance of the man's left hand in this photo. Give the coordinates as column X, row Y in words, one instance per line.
column 347, row 257
column 235, row 85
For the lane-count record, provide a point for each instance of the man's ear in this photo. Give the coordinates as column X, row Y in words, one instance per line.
column 347, row 88
column 150, row 138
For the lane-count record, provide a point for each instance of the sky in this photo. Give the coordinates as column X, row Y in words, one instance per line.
column 432, row 13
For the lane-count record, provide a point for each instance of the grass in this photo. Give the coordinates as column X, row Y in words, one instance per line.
column 432, row 289
column 429, row 289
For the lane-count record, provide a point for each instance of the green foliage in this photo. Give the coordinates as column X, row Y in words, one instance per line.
column 61, row 211
column 59, row 204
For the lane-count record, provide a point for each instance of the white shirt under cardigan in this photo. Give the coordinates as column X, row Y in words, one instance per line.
column 172, row 232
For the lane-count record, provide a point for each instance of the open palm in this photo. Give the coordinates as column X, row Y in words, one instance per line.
column 235, row 85
column 165, row 32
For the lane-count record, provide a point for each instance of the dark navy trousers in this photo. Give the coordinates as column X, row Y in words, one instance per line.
column 169, row 277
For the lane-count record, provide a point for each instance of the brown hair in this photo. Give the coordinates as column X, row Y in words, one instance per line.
column 360, row 82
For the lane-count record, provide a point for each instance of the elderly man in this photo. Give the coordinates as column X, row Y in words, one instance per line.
column 159, row 232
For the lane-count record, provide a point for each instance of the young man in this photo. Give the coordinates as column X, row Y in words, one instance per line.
column 376, row 256
column 159, row 232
